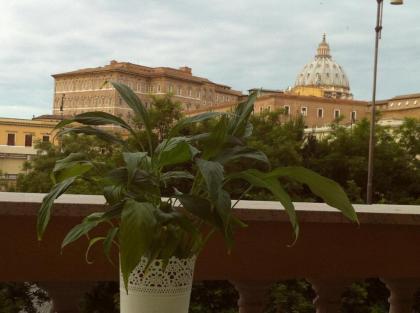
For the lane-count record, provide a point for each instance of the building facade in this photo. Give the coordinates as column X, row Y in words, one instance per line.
column 17, row 140
column 317, row 112
column 400, row 107
column 87, row 89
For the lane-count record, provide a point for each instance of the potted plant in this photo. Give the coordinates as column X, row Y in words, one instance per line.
column 159, row 238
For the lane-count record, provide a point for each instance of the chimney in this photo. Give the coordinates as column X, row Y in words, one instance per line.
column 186, row 69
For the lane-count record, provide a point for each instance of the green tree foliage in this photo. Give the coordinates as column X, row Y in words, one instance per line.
column 38, row 171
column 342, row 156
column 16, row 298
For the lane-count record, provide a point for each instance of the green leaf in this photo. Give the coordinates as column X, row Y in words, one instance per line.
column 137, row 106
column 239, row 152
column 109, row 240
column 325, row 188
column 199, row 207
column 63, row 123
column 133, row 160
column 88, row 130
column 114, row 193
column 70, row 159
column 83, row 228
column 44, row 213
column 174, row 175
column 212, row 173
column 216, row 140
column 92, row 242
column 138, row 225
column 194, row 119
column 264, row 180
column 75, row 164
column 174, row 151
column 73, row 170
column 238, row 125
column 101, row 118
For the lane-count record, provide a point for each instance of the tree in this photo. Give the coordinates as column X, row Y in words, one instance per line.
column 15, row 298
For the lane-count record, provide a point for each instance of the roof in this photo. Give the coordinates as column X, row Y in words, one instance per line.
column 323, row 70
column 407, row 96
column 315, row 99
column 183, row 73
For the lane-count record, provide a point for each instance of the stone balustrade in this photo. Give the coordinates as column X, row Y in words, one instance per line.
column 330, row 253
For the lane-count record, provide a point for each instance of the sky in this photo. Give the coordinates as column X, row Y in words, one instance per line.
column 241, row 43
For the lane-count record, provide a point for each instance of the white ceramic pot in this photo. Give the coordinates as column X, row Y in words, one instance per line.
column 158, row 291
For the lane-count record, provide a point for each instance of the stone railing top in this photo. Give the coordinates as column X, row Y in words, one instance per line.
column 80, row 205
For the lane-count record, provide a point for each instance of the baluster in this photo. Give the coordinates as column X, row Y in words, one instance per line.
column 402, row 292
column 66, row 296
column 253, row 295
column 329, row 292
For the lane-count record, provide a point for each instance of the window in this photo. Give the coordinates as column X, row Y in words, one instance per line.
column 304, row 111
column 407, row 102
column 45, row 138
column 287, row 110
column 353, row 116
column 158, row 88
column 320, row 113
column 268, row 108
column 171, row 88
column 190, row 92
column 10, row 139
column 28, row 140
column 336, row 113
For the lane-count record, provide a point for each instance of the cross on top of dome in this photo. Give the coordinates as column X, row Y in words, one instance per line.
column 323, row 50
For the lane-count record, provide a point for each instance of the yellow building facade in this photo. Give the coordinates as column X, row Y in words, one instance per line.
column 17, row 140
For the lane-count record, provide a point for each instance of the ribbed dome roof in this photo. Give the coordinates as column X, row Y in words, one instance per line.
column 323, row 71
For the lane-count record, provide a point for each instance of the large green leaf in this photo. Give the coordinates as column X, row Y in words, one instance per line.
column 239, row 123
column 239, row 152
column 138, row 225
column 75, row 164
column 114, row 193
column 199, row 207
column 194, row 119
column 44, row 213
column 212, row 173
column 99, row 133
column 264, row 180
column 174, row 175
column 73, row 170
column 325, row 188
column 109, row 240
column 88, row 223
column 217, row 139
column 101, row 118
column 174, row 151
column 137, row 106
column 132, row 161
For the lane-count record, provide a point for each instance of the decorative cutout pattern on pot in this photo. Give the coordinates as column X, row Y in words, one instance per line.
column 176, row 279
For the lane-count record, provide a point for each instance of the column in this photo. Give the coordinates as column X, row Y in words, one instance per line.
column 402, row 292
column 66, row 296
column 329, row 291
column 253, row 295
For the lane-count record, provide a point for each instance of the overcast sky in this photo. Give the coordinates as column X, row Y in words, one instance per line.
column 241, row 43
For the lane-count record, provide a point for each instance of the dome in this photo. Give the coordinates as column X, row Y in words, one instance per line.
column 325, row 74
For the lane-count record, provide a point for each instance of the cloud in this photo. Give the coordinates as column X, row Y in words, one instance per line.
column 241, row 43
